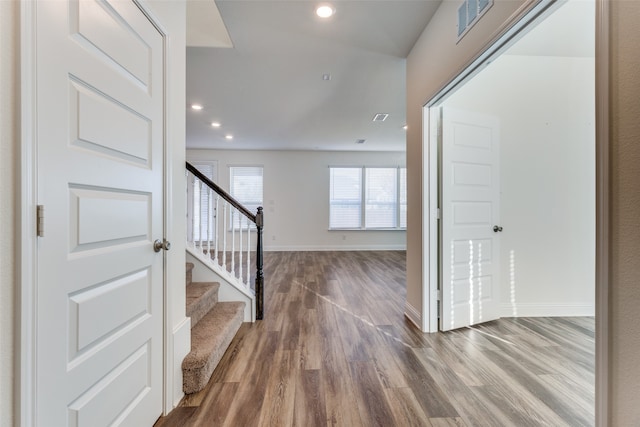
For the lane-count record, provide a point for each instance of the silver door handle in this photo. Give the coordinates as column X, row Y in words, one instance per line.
column 497, row 228
column 158, row 245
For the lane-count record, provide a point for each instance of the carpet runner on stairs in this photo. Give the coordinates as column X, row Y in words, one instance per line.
column 213, row 326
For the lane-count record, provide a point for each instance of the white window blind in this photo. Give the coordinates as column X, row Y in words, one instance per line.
column 402, row 185
column 204, row 200
column 345, row 204
column 367, row 198
column 381, row 209
column 246, row 187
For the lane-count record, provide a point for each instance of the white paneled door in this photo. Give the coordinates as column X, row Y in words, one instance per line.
column 470, row 192
column 100, row 136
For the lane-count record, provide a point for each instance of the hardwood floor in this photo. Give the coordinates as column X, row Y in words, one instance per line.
column 336, row 350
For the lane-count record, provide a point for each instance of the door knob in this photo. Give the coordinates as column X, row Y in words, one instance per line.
column 497, row 228
column 158, row 245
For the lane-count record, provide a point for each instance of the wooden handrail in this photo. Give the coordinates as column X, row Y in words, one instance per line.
column 215, row 187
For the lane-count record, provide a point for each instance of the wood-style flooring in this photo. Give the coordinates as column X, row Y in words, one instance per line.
column 335, row 349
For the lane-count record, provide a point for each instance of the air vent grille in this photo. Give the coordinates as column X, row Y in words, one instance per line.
column 380, row 117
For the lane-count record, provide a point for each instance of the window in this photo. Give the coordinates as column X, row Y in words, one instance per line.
column 246, row 187
column 204, row 201
column 367, row 198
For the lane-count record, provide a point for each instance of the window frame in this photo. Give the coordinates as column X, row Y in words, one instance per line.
column 240, row 225
column 398, row 203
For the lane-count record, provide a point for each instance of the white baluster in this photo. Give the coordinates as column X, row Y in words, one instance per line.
column 209, row 221
column 215, row 230
column 224, row 234
column 193, row 210
column 201, row 193
column 241, row 217
column 233, row 241
column 248, row 284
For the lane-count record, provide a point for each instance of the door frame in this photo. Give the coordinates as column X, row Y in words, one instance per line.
column 27, row 243
column 520, row 20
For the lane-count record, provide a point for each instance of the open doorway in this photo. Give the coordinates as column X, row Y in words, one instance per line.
column 539, row 220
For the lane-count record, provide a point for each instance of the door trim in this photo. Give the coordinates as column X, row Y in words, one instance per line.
column 26, row 240
column 27, row 243
column 517, row 22
column 602, row 212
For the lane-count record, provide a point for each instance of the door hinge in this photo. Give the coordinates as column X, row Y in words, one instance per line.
column 40, row 221
column 438, row 213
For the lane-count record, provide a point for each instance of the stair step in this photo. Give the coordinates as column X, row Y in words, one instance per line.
column 201, row 298
column 189, row 271
column 210, row 338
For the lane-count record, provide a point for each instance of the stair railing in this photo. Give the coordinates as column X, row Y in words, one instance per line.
column 219, row 227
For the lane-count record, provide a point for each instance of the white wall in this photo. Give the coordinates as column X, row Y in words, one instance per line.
column 547, row 177
column 9, row 85
column 296, row 196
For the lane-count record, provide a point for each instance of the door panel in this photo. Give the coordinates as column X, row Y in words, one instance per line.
column 100, row 136
column 470, row 208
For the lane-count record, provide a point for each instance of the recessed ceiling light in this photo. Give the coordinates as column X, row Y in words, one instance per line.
column 215, row 124
column 228, row 136
column 325, row 11
column 196, row 107
column 405, row 127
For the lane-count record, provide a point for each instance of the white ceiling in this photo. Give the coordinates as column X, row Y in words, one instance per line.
column 268, row 90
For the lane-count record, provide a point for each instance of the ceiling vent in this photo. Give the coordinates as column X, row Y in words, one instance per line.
column 360, row 141
column 380, row 117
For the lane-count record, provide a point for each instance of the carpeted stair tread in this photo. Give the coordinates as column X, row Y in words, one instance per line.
column 189, row 271
column 201, row 297
column 210, row 338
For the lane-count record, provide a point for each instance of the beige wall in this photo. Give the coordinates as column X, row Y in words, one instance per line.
column 8, row 138
column 433, row 61
column 624, row 308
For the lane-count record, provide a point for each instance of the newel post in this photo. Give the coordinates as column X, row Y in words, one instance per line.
column 259, row 275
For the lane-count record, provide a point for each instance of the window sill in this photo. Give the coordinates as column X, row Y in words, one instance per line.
column 367, row 229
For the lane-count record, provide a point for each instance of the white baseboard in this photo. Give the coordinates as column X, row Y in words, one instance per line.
column 413, row 315
column 272, row 248
column 547, row 310
column 181, row 347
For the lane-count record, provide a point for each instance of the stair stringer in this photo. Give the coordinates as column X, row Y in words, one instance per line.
column 206, row 271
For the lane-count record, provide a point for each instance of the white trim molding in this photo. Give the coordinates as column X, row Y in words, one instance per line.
column 27, row 253
column 181, row 342
column 547, row 310
column 413, row 314
column 320, row 248
column 602, row 211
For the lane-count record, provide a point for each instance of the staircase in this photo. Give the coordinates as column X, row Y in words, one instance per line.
column 213, row 326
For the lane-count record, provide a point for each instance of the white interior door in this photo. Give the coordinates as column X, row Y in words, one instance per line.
column 470, row 203
column 100, row 96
